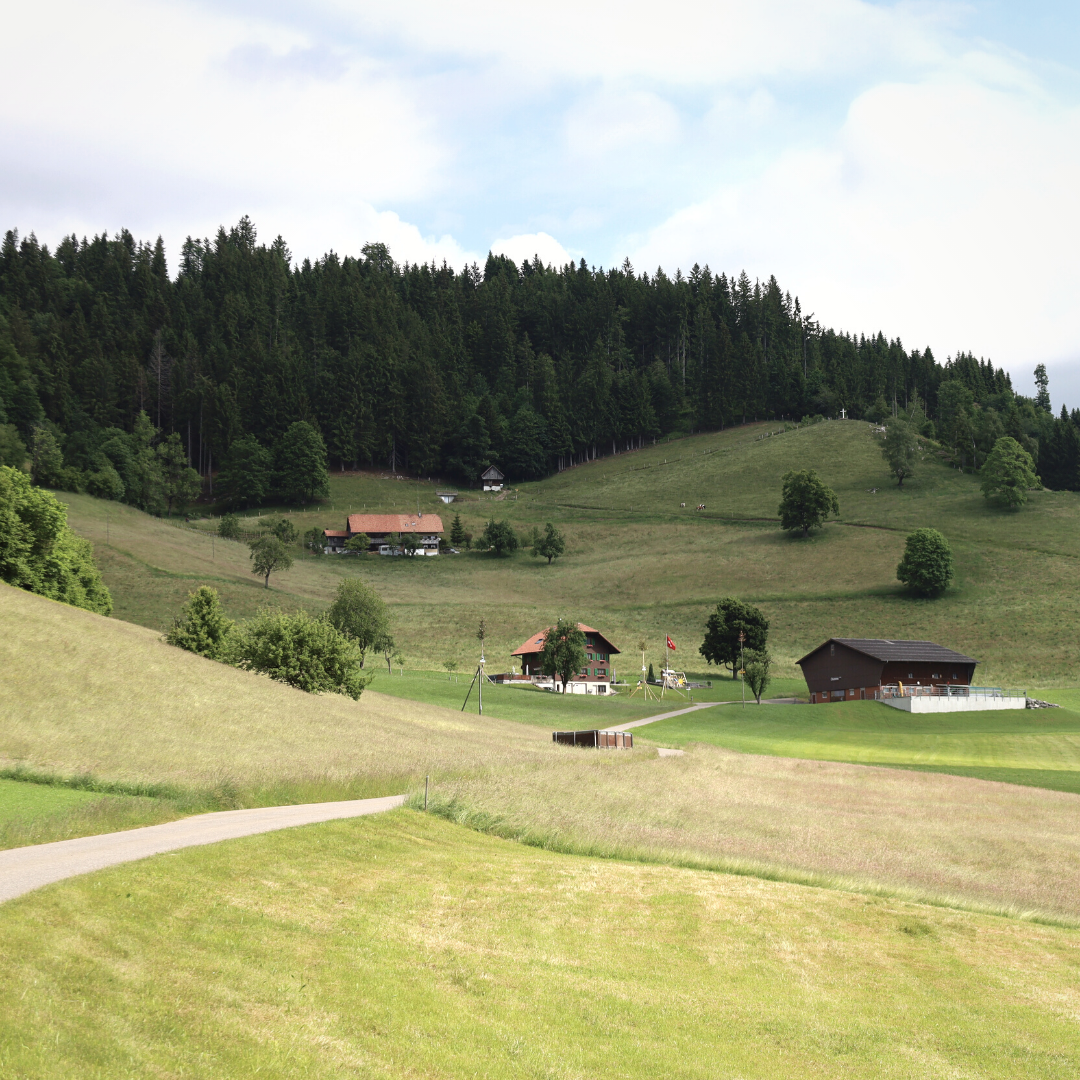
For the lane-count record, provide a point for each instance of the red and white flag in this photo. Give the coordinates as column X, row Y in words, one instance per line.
column 670, row 644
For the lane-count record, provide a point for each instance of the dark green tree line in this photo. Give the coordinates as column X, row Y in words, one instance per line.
column 264, row 371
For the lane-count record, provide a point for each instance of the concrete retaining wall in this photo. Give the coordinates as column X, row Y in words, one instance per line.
column 930, row 704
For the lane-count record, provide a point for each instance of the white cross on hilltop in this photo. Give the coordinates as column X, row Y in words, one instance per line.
column 843, row 414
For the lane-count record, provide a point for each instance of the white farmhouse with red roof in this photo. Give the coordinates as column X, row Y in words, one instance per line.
column 595, row 677
column 427, row 528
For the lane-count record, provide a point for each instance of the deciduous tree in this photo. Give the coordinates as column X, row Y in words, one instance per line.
column 361, row 615
column 549, row 544
column 806, row 502
column 563, row 654
column 900, row 448
column 721, row 645
column 757, row 664
column 39, row 553
column 927, row 566
column 268, row 555
column 499, row 537
column 245, row 476
column 1008, row 473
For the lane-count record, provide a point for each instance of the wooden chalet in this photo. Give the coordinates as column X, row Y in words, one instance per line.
column 493, row 479
column 596, row 677
column 428, row 529
column 854, row 669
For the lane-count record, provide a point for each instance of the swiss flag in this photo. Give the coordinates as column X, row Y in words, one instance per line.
column 671, row 644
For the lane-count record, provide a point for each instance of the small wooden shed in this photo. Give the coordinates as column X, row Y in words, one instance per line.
column 602, row 740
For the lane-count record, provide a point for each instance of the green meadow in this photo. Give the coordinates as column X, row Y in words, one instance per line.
column 1039, row 747
column 639, row 566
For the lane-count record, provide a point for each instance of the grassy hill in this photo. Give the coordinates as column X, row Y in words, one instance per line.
column 639, row 565
column 402, row 946
column 110, row 704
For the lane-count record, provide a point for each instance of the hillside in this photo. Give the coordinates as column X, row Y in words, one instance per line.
column 640, row 565
column 402, row 946
column 115, row 701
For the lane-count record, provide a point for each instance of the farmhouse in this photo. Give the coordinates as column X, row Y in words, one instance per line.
column 596, row 677
column 427, row 528
column 857, row 669
column 493, row 479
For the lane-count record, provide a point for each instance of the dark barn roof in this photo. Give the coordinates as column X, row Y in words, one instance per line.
column 885, row 650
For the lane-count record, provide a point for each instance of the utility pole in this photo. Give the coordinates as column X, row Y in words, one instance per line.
column 742, row 668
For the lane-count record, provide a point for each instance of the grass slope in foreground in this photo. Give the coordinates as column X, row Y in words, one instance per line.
column 639, row 565
column 1038, row 747
column 404, row 946
column 112, row 700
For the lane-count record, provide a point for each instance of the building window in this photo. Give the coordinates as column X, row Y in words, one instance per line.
column 838, row 694
column 832, row 650
column 588, row 656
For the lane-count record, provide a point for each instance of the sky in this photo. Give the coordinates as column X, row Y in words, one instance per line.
column 912, row 168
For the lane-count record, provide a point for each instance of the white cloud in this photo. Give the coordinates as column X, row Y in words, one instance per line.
column 944, row 211
column 682, row 42
column 524, row 246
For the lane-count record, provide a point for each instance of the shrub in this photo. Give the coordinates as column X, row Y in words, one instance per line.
column 302, row 651
column 202, row 626
column 229, row 527
column 927, row 565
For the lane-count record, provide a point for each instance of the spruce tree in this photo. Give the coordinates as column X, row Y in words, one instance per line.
column 302, row 474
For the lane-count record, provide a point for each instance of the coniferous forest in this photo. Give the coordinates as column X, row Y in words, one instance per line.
column 428, row 371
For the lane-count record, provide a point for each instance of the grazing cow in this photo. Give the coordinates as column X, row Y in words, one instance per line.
column 701, row 506
column 683, row 505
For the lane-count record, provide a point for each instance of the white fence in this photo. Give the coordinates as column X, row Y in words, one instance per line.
column 903, row 690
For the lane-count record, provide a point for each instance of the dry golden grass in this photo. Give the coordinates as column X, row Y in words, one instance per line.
column 86, row 693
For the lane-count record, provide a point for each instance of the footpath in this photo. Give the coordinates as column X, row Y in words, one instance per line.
column 27, row 868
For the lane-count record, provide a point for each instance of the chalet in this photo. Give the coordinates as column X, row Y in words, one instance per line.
column 427, row 528
column 861, row 669
column 493, row 479
column 596, row 677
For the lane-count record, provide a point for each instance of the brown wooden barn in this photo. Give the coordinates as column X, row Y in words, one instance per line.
column 852, row 669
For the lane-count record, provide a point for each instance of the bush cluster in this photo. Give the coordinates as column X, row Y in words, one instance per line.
column 319, row 654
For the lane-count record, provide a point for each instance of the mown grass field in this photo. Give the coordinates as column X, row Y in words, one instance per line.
column 1039, row 747
column 640, row 566
column 403, row 946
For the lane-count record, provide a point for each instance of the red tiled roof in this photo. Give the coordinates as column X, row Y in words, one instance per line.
column 394, row 523
column 333, row 532
column 536, row 642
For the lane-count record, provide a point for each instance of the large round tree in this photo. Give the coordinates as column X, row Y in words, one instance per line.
column 806, row 501
column 927, row 566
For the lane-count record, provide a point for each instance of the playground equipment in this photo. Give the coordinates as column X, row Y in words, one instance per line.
column 674, row 680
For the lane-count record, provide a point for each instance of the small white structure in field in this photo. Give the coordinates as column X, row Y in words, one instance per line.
column 447, row 496
column 493, row 479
